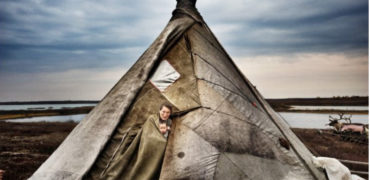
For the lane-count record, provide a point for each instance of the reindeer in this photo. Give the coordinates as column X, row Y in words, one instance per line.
column 335, row 122
column 349, row 126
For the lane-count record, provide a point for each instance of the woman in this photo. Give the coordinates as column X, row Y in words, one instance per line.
column 142, row 159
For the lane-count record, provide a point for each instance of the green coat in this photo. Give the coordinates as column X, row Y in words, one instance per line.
column 142, row 158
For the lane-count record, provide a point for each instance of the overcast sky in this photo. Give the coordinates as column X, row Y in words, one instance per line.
column 77, row 50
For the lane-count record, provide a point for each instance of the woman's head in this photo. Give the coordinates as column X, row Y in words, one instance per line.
column 165, row 111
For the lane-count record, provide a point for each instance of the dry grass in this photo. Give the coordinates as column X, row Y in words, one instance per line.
column 327, row 143
column 24, row 146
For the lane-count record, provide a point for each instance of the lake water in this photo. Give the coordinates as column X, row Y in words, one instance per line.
column 365, row 108
column 296, row 120
column 42, row 106
column 75, row 118
column 316, row 120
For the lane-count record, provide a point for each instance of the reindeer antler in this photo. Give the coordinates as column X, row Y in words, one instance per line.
column 348, row 119
column 341, row 114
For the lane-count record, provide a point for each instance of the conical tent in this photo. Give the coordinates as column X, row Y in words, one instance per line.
column 222, row 128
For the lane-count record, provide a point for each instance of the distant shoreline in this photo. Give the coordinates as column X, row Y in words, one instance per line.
column 279, row 105
column 49, row 102
column 16, row 114
column 324, row 111
column 318, row 101
column 333, row 101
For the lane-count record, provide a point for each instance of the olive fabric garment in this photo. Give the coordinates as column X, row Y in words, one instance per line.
column 142, row 159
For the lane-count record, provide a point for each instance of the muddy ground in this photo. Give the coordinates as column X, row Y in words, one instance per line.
column 24, row 146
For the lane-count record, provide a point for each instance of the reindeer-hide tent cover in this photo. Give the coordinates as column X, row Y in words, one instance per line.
column 224, row 129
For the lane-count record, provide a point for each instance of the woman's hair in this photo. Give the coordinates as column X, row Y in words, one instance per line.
column 167, row 105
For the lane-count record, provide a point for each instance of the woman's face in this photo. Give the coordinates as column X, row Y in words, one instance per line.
column 164, row 113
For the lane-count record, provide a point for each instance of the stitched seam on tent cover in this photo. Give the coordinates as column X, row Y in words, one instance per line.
column 242, row 120
column 231, row 91
column 206, row 61
column 222, row 51
column 223, row 75
column 209, row 41
column 210, row 114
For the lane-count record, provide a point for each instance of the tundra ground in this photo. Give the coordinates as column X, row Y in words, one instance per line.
column 25, row 146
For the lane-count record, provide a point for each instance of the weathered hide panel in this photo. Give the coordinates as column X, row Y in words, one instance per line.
column 298, row 147
column 237, row 147
column 183, row 93
column 211, row 59
column 214, row 96
column 226, row 169
column 208, row 52
column 254, row 167
column 189, row 156
column 234, row 121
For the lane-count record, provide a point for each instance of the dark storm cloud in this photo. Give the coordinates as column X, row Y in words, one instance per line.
column 48, row 35
column 344, row 29
column 46, row 32
column 50, row 58
column 291, row 26
column 42, row 41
